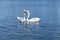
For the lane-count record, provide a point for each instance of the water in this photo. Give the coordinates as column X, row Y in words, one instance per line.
column 47, row 10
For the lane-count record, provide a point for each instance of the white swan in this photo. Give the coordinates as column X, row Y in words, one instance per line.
column 27, row 19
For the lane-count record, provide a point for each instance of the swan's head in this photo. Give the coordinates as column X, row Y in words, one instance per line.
column 26, row 11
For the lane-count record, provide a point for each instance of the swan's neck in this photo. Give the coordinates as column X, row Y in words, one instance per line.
column 28, row 15
column 26, row 18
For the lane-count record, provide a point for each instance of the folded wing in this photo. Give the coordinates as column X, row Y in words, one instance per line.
column 20, row 19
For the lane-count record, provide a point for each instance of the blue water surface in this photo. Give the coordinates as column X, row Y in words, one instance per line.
column 47, row 10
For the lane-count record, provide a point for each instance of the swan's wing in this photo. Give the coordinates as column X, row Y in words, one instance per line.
column 34, row 21
column 20, row 19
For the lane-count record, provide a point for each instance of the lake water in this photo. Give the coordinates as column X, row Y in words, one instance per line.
column 47, row 10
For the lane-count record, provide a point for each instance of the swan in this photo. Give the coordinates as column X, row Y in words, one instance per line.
column 27, row 19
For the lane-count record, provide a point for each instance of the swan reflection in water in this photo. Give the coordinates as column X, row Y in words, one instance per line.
column 26, row 21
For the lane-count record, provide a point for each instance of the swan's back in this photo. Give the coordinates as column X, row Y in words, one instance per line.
column 34, row 19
